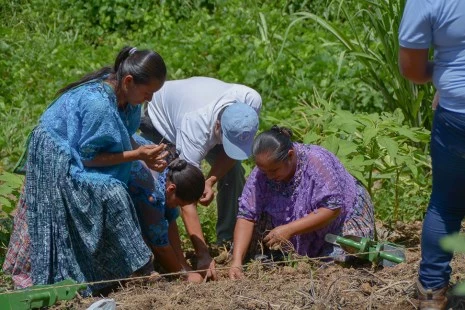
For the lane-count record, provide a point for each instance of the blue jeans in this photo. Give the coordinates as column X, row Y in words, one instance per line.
column 447, row 203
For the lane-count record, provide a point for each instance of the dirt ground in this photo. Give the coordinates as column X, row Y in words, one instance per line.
column 297, row 285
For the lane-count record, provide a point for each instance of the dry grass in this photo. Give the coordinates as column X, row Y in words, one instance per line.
column 302, row 285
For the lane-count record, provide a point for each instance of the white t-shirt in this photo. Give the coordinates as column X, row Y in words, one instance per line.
column 184, row 112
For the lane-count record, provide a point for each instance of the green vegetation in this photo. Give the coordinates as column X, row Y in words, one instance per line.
column 324, row 68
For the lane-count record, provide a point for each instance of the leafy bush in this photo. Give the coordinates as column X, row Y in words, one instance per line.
column 388, row 157
column 10, row 187
column 223, row 39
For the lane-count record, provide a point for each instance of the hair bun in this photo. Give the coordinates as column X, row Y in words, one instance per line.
column 286, row 131
column 282, row 130
column 177, row 164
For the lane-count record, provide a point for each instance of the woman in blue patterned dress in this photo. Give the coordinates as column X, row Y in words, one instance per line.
column 75, row 218
column 156, row 198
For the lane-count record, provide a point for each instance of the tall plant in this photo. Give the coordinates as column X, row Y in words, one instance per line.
column 372, row 40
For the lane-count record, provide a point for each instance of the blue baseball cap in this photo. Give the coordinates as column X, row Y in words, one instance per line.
column 239, row 123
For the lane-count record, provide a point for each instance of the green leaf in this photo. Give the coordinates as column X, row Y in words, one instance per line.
column 311, row 137
column 412, row 166
column 11, row 178
column 346, row 148
column 5, row 203
column 368, row 134
column 359, row 161
column 453, row 243
column 383, row 176
column 459, row 289
column 8, row 209
column 331, row 143
column 389, row 144
column 398, row 115
column 407, row 133
column 5, row 190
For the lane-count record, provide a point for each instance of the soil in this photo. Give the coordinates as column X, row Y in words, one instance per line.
column 309, row 284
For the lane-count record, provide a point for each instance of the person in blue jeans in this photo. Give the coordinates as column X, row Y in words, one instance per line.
column 440, row 25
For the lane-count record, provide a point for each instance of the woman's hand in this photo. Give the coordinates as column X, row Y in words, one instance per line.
column 278, row 236
column 242, row 236
column 153, row 156
column 235, row 272
column 194, row 277
column 208, row 264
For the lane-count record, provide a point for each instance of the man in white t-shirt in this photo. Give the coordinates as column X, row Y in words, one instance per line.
column 206, row 118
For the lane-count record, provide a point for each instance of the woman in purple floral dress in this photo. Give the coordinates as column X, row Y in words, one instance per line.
column 302, row 192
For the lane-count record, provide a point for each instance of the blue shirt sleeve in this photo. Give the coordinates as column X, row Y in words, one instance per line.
column 415, row 29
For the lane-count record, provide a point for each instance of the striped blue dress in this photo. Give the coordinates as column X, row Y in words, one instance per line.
column 80, row 222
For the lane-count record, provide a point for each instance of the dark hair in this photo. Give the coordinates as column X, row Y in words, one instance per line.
column 143, row 65
column 188, row 179
column 275, row 141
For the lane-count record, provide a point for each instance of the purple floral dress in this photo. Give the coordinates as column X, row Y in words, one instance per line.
column 320, row 181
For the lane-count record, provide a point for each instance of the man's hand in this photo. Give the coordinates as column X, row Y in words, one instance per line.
column 277, row 236
column 207, row 263
column 208, row 195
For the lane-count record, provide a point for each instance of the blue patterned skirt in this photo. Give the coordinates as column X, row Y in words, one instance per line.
column 84, row 228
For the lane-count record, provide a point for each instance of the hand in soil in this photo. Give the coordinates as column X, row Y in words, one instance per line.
column 235, row 273
column 207, row 264
column 194, row 277
column 277, row 236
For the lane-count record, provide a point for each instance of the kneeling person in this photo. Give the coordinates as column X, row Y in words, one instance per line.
column 300, row 193
column 156, row 197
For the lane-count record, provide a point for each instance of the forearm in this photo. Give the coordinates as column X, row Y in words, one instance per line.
column 194, row 230
column 167, row 258
column 110, row 159
column 223, row 163
column 173, row 235
column 415, row 66
column 422, row 76
column 313, row 221
column 242, row 236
